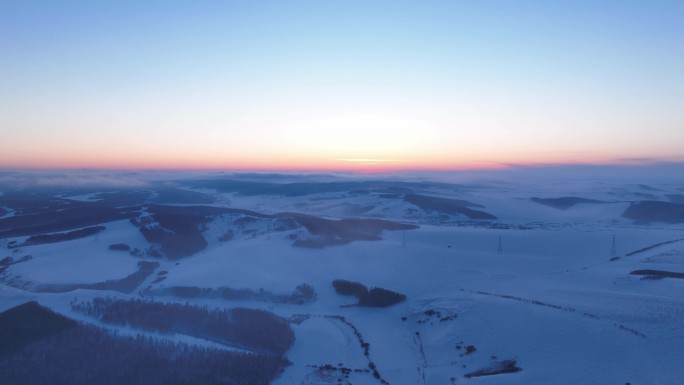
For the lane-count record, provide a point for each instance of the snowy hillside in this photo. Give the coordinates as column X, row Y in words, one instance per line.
column 506, row 280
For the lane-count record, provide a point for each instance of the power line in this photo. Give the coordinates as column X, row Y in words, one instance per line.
column 499, row 250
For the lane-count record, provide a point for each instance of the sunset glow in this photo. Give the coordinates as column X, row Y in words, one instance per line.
column 339, row 85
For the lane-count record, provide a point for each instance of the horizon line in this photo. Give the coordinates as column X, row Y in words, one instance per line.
column 490, row 167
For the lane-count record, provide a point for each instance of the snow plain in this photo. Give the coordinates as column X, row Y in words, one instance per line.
column 552, row 300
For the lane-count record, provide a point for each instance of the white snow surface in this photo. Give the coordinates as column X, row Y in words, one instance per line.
column 552, row 300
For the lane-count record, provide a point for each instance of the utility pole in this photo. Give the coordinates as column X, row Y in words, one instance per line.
column 499, row 250
column 613, row 249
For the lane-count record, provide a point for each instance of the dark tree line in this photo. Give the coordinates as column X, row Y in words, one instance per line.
column 251, row 329
column 27, row 323
column 365, row 345
column 379, row 297
column 89, row 355
column 42, row 347
column 61, row 237
column 355, row 289
column 302, row 294
column 124, row 285
column 375, row 297
column 119, row 247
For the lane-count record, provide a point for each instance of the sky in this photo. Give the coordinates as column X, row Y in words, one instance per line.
column 339, row 85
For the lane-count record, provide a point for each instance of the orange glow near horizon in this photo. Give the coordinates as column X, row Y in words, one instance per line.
column 375, row 144
column 296, row 162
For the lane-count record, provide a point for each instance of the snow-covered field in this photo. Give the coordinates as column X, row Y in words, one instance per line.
column 538, row 288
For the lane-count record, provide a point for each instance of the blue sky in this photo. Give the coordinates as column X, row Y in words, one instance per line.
column 339, row 84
